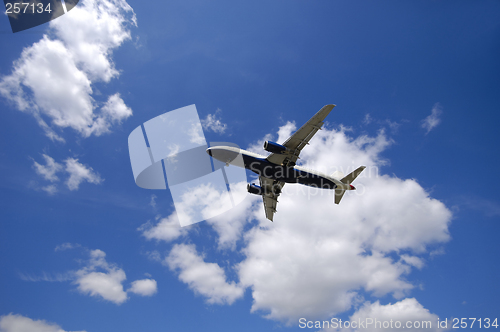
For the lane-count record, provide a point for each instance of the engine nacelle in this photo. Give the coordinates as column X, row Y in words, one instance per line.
column 274, row 147
column 254, row 189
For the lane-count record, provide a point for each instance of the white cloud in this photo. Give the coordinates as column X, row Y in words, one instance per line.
column 286, row 131
column 113, row 112
column 229, row 225
column 107, row 285
column 195, row 135
column 79, row 173
column 19, row 323
column 206, row 279
column 154, row 255
column 213, row 123
column 52, row 78
column 410, row 314
column 167, row 229
column 49, row 170
column 368, row 119
column 116, row 109
column 97, row 27
column 437, row 252
column 144, row 287
column 413, row 261
column 393, row 125
column 50, row 189
column 153, row 201
column 76, row 171
column 66, row 246
column 433, row 119
column 203, row 201
column 173, row 150
column 108, row 282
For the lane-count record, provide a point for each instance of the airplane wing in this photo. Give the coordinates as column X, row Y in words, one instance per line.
column 272, row 190
column 300, row 138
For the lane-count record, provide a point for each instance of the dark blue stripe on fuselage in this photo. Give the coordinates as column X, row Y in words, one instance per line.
column 264, row 168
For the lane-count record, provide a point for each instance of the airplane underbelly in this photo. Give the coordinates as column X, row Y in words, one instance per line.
column 318, row 182
column 286, row 174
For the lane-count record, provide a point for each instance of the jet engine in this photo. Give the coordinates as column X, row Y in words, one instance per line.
column 274, row 147
column 254, row 189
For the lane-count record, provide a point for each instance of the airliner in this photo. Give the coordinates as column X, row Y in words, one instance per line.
column 280, row 166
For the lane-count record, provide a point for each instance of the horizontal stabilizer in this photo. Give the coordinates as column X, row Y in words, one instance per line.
column 350, row 178
column 339, row 193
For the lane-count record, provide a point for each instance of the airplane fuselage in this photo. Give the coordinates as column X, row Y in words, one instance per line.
column 258, row 164
column 262, row 167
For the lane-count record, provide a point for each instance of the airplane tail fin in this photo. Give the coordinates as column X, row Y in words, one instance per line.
column 348, row 179
column 352, row 176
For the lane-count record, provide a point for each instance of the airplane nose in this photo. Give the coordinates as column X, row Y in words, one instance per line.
column 209, row 152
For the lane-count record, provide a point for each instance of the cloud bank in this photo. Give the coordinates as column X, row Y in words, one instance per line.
column 319, row 259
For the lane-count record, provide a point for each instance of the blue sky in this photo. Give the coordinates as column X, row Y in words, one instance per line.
column 416, row 87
